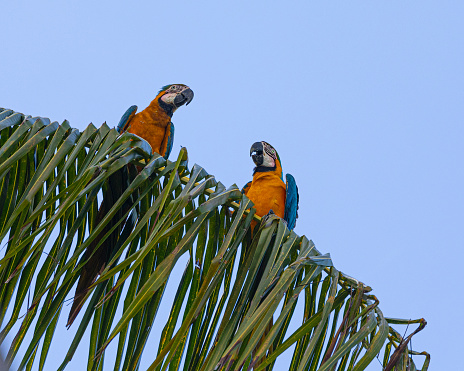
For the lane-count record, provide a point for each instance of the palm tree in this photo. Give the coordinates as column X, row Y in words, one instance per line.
column 52, row 179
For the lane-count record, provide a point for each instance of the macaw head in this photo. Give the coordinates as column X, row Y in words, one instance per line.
column 171, row 97
column 265, row 157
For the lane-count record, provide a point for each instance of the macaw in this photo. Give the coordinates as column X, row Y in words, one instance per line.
column 154, row 125
column 270, row 194
column 267, row 190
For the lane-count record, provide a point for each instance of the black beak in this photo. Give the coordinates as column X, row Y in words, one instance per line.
column 256, row 153
column 184, row 98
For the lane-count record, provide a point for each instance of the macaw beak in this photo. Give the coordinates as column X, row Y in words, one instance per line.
column 185, row 97
column 256, row 153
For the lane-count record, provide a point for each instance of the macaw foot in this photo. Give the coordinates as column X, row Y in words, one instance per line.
column 142, row 143
column 267, row 219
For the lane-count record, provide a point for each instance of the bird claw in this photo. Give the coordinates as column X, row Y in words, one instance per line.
column 142, row 143
column 267, row 219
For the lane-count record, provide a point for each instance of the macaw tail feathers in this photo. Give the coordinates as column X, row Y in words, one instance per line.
column 96, row 258
column 86, row 278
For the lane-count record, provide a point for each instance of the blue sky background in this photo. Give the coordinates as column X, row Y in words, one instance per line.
column 362, row 100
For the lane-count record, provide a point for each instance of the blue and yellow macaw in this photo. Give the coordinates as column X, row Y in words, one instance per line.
column 154, row 125
column 267, row 190
column 270, row 194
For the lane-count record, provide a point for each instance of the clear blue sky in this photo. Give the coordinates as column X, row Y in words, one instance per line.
column 362, row 100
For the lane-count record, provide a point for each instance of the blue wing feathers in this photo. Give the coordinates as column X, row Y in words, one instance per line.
column 245, row 187
column 291, row 202
column 170, row 141
column 125, row 118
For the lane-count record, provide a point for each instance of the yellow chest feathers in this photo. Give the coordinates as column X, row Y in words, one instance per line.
column 267, row 191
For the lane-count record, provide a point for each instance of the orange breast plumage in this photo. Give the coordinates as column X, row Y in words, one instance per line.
column 267, row 191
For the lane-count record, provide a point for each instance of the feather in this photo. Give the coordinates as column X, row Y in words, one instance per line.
column 170, row 140
column 291, row 202
column 246, row 187
column 97, row 258
column 126, row 118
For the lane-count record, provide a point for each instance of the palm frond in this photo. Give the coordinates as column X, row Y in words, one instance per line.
column 235, row 305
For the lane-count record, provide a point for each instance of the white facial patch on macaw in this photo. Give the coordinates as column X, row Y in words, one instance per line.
column 268, row 161
column 269, row 155
column 171, row 93
column 168, row 98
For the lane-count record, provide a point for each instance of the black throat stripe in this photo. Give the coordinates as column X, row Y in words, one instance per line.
column 166, row 107
column 263, row 169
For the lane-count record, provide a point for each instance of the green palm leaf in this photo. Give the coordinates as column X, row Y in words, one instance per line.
column 235, row 305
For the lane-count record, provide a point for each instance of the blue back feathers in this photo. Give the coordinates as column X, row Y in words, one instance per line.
column 291, row 202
